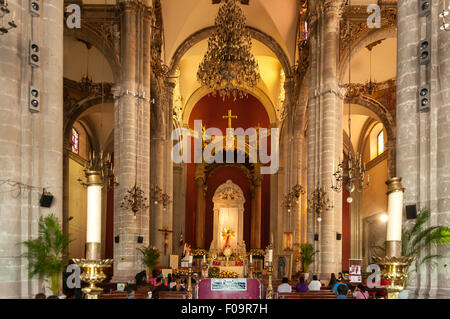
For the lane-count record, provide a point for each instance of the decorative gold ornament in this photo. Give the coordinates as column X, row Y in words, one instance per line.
column 99, row 170
column 93, row 274
column 394, row 270
column 229, row 66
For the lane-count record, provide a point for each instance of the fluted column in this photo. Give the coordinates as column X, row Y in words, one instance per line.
column 423, row 139
column 131, row 135
column 200, row 214
column 325, row 132
column 255, row 233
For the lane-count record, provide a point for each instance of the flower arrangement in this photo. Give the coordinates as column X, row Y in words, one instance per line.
column 257, row 253
column 214, row 272
column 199, row 252
column 180, row 272
column 228, row 274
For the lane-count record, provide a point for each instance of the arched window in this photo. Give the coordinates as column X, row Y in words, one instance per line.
column 75, row 141
column 380, row 142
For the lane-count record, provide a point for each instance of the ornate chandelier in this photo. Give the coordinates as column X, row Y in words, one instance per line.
column 291, row 198
column 135, row 200
column 351, row 171
column 318, row 202
column 229, row 66
column 3, row 12
column 159, row 197
column 445, row 26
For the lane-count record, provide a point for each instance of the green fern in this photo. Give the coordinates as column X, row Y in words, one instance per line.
column 307, row 255
column 47, row 253
column 150, row 257
column 418, row 237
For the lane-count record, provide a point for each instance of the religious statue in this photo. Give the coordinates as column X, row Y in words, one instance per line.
column 227, row 234
column 186, row 251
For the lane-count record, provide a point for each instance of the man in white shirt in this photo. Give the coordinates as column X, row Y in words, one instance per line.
column 285, row 287
column 315, row 284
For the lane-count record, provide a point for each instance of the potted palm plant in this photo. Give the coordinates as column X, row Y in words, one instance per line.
column 150, row 258
column 418, row 236
column 47, row 254
column 306, row 257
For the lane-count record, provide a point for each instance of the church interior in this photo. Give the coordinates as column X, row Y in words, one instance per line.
column 339, row 162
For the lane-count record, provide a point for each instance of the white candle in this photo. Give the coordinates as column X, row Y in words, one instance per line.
column 270, row 255
column 94, row 214
column 251, row 259
column 204, row 259
column 395, row 209
column 191, row 259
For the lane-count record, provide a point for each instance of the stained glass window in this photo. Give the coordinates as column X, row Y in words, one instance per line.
column 75, row 141
column 380, row 142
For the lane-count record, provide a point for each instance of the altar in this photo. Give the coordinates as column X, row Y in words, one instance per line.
column 239, row 270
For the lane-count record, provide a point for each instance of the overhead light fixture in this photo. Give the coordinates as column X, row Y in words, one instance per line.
column 229, row 67
column 4, row 11
column 444, row 15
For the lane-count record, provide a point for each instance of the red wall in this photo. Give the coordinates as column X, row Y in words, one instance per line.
column 210, row 110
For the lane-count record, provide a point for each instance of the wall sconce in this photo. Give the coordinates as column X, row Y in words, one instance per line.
column 3, row 12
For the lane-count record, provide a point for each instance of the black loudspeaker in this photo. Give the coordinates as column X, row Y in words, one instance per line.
column 316, row 237
column 411, row 211
column 35, row 8
column 425, row 52
column 424, row 98
column 338, row 236
column 35, row 100
column 34, row 54
column 424, row 8
column 117, row 239
column 140, row 239
column 46, row 199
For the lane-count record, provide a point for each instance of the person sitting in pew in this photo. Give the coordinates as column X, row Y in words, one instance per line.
column 178, row 286
column 130, row 294
column 285, row 287
column 160, row 286
column 302, row 286
column 342, row 291
column 315, row 284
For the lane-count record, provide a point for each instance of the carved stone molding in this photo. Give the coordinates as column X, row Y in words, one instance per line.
column 357, row 16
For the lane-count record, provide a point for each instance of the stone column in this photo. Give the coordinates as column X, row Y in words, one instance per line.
column 423, row 139
column 131, row 135
column 31, row 144
column 200, row 214
column 255, row 234
column 325, row 131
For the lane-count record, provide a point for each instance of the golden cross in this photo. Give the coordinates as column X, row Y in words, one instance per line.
column 229, row 117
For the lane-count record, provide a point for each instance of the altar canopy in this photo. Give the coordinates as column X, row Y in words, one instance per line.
column 228, row 216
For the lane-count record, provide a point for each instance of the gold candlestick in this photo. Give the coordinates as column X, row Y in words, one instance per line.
column 269, row 286
column 189, row 283
column 251, row 269
column 93, row 274
column 204, row 270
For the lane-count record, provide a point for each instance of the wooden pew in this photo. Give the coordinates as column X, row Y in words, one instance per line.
column 121, row 295
column 323, row 294
column 170, row 295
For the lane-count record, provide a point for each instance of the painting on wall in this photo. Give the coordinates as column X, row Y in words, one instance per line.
column 283, row 266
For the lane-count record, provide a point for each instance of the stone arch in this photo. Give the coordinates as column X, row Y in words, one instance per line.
column 88, row 35
column 379, row 109
column 362, row 42
column 228, row 196
column 257, row 93
column 254, row 33
column 78, row 109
